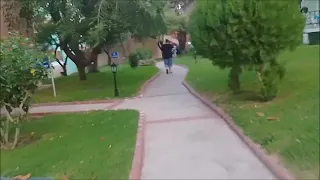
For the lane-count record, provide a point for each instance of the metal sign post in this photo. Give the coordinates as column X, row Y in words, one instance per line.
column 50, row 70
column 114, row 68
column 52, row 81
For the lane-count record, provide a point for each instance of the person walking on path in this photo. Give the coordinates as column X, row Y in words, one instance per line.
column 167, row 54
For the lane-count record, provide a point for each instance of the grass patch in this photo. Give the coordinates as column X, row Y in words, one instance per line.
column 95, row 145
column 97, row 86
column 295, row 137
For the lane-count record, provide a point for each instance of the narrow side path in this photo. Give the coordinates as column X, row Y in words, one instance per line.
column 186, row 140
column 65, row 108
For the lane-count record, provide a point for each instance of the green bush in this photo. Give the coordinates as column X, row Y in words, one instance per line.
column 247, row 33
column 144, row 53
column 148, row 62
column 270, row 79
column 133, row 60
column 21, row 69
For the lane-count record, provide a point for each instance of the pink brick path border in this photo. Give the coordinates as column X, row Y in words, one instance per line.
column 138, row 158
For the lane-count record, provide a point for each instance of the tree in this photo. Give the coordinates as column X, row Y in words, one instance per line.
column 93, row 24
column 21, row 70
column 177, row 23
column 118, row 20
column 177, row 18
column 248, row 34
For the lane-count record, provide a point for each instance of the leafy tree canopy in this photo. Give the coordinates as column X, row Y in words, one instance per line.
column 239, row 34
column 95, row 24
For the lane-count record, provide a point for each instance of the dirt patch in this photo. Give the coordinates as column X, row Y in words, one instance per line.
column 24, row 140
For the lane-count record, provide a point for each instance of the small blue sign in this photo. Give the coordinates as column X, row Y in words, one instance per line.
column 115, row 54
column 46, row 64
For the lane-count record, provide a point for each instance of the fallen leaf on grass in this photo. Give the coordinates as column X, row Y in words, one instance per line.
column 102, row 138
column 273, row 118
column 260, row 114
column 65, row 177
column 20, row 177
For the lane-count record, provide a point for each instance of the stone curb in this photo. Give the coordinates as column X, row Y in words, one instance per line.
column 111, row 107
column 56, row 113
column 137, row 163
column 141, row 91
column 74, row 103
column 275, row 167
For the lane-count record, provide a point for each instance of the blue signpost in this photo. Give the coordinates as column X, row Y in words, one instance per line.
column 115, row 55
column 46, row 64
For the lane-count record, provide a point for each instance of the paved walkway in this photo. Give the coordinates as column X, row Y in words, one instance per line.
column 183, row 138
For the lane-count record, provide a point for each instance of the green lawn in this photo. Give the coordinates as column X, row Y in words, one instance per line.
column 95, row 145
column 295, row 137
column 97, row 86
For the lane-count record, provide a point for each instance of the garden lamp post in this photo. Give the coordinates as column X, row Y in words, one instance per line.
column 114, row 69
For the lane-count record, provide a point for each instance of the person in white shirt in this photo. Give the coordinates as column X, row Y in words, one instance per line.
column 174, row 51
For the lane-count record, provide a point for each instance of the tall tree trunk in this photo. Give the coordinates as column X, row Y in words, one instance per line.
column 64, row 68
column 109, row 60
column 109, row 57
column 182, row 37
column 234, row 78
column 16, row 137
column 124, row 50
column 82, row 72
column 93, row 67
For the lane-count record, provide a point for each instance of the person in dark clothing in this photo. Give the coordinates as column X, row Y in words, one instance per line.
column 166, row 50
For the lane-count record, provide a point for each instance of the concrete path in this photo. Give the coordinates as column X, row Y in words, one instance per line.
column 185, row 140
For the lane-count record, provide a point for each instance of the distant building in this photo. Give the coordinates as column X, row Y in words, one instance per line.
column 312, row 28
column 11, row 21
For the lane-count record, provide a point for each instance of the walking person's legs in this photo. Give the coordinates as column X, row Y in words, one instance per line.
column 170, row 65
column 166, row 65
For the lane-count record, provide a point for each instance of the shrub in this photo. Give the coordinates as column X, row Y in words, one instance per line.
column 148, row 62
column 239, row 34
column 133, row 60
column 144, row 53
column 21, row 69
